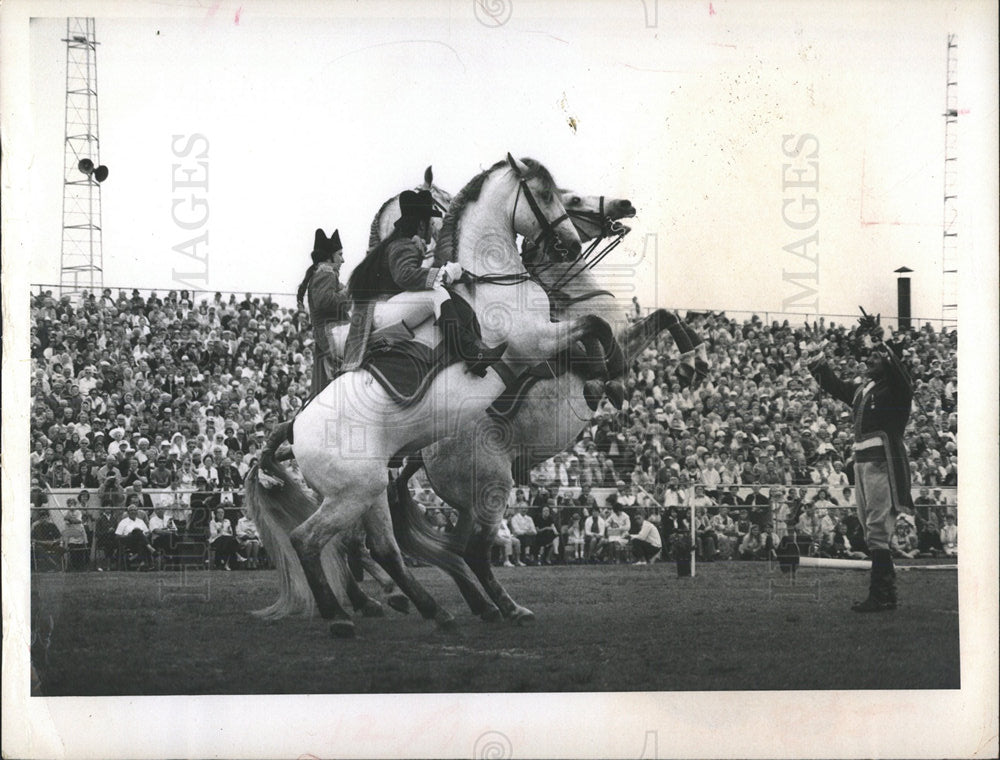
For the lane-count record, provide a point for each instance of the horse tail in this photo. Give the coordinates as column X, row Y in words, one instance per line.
column 277, row 512
column 414, row 534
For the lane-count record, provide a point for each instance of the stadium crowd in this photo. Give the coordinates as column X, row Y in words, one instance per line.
column 175, row 394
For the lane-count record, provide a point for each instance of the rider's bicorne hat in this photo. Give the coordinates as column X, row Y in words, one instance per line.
column 417, row 204
column 324, row 247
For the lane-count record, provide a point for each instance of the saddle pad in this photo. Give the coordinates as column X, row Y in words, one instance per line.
column 405, row 370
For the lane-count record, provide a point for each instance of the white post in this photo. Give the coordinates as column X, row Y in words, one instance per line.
column 694, row 534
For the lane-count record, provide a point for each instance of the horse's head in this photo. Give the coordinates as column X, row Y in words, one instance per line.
column 593, row 215
column 442, row 199
column 538, row 212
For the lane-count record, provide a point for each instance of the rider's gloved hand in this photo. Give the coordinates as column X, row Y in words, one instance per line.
column 452, row 272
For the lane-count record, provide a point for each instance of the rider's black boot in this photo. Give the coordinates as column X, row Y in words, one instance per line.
column 461, row 342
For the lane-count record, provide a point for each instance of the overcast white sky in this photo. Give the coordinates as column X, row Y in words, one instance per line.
column 681, row 107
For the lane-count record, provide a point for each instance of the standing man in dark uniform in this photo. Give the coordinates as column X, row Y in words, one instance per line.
column 882, row 474
column 328, row 304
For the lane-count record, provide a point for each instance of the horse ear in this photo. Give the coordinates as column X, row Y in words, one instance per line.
column 519, row 167
column 428, row 176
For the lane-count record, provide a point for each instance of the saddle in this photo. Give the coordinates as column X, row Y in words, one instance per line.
column 403, row 367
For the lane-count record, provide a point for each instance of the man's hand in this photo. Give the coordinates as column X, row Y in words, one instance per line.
column 869, row 324
column 452, row 271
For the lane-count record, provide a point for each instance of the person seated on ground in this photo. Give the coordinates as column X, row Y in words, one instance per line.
column 929, row 536
column 949, row 536
column 133, row 537
column 46, row 542
column 593, row 530
column 816, row 524
column 575, row 540
column 510, row 543
column 752, row 546
column 163, row 531
column 856, row 533
column 223, row 543
column 249, row 538
column 523, row 527
column 646, row 544
column 903, row 542
column 838, row 545
column 546, row 538
column 726, row 533
column 618, row 528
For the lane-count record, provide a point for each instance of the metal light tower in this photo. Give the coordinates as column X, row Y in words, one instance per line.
column 949, row 253
column 82, row 261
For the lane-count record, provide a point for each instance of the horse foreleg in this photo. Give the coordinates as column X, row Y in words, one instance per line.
column 378, row 523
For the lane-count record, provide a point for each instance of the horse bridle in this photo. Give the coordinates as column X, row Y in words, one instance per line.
column 548, row 233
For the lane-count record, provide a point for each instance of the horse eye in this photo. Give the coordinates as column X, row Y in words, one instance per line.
column 575, row 200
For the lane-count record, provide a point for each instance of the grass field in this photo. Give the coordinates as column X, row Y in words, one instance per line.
column 736, row 626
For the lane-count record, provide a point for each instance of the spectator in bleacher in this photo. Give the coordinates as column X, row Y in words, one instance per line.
column 133, row 536
column 162, row 531
column 523, row 526
column 546, row 538
column 224, row 544
column 249, row 540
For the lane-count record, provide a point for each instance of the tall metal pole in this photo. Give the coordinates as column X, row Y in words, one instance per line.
column 949, row 251
column 81, row 259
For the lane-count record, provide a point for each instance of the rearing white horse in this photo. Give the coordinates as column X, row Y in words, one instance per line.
column 345, row 437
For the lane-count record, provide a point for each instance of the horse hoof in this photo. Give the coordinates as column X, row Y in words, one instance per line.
column 491, row 615
column 615, row 392
column 342, row 629
column 593, row 391
column 372, row 609
column 400, row 603
column 523, row 615
column 446, row 621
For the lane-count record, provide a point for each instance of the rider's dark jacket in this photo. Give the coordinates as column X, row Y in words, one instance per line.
column 398, row 270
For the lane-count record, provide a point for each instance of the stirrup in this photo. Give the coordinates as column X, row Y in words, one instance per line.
column 485, row 358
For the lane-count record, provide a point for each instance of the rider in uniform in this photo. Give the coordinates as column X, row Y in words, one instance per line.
column 395, row 268
column 882, row 474
column 328, row 304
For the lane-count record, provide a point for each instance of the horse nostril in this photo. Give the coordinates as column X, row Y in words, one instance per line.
column 572, row 250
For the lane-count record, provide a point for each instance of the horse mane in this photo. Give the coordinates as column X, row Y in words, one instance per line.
column 373, row 233
column 447, row 244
